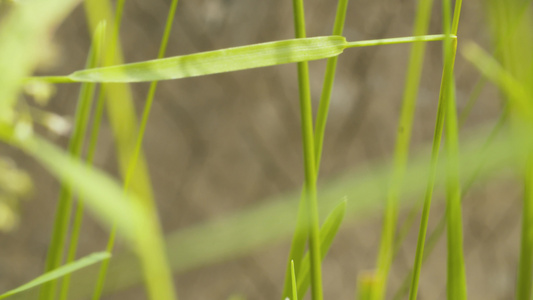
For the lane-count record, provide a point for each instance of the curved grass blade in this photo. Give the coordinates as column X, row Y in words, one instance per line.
column 218, row 61
column 327, row 234
column 59, row 272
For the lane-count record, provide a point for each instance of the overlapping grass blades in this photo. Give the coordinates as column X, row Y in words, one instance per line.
column 328, row 231
column 456, row 279
column 311, row 224
column 301, row 233
column 84, row 103
column 158, row 277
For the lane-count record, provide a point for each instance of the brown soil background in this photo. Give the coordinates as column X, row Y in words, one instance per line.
column 221, row 143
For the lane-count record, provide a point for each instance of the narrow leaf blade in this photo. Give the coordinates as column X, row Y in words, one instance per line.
column 59, row 272
column 218, row 61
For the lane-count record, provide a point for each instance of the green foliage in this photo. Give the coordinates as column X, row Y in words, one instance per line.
column 24, row 28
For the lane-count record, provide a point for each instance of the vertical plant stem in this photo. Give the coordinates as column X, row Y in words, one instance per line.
column 94, row 57
column 401, row 152
column 111, row 56
column 523, row 287
column 65, row 203
column 327, row 86
column 293, row 282
column 456, row 282
column 301, row 232
column 309, row 158
column 157, row 274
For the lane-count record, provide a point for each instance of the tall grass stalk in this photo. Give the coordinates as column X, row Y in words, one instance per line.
column 93, row 60
column 111, row 56
column 401, row 152
column 306, row 116
column 138, row 143
column 150, row 247
column 65, row 202
column 437, row 232
column 300, row 236
column 456, row 279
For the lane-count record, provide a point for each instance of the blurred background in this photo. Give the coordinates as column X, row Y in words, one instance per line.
column 219, row 144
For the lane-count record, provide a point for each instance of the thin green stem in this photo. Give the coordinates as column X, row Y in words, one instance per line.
column 327, row 86
column 164, row 281
column 64, row 207
column 150, row 97
column 399, row 40
column 293, row 282
column 525, row 276
column 93, row 61
column 436, row 234
column 110, row 57
column 301, row 232
column 456, row 281
column 309, row 158
column 403, row 138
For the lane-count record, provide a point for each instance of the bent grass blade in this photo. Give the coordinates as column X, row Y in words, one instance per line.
column 229, row 59
column 59, row 272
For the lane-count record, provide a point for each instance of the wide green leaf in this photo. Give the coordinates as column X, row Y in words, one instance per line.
column 59, row 272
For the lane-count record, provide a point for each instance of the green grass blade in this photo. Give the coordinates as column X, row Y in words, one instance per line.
column 120, row 109
column 293, row 281
column 59, row 272
column 436, row 234
column 456, row 279
column 515, row 91
column 401, row 152
column 399, row 40
column 122, row 117
column 150, row 97
column 64, row 205
column 166, row 283
column 327, row 86
column 306, row 118
column 511, row 23
column 301, row 232
column 218, row 61
column 525, row 266
column 229, row 59
column 85, row 100
column 327, row 234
